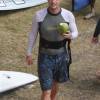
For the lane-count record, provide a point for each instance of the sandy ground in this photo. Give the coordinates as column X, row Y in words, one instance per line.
column 14, row 29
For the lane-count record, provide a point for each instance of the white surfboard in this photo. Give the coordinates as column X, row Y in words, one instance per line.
column 19, row 4
column 11, row 79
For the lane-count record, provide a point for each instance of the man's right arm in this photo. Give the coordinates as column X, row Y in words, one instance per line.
column 31, row 40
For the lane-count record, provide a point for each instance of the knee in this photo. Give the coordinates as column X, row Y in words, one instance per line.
column 46, row 93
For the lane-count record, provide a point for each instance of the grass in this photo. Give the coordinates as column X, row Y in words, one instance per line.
column 14, row 29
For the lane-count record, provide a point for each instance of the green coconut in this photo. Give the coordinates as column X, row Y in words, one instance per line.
column 63, row 28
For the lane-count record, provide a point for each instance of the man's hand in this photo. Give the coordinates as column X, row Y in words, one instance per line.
column 67, row 35
column 29, row 60
column 95, row 40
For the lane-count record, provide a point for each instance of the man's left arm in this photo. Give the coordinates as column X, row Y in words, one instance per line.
column 73, row 33
column 73, row 27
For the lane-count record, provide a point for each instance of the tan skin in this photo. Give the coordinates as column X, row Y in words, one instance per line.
column 95, row 40
column 54, row 7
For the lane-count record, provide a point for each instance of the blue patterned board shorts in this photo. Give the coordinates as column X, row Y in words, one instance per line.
column 52, row 68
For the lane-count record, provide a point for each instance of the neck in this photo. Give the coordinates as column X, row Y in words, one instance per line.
column 54, row 11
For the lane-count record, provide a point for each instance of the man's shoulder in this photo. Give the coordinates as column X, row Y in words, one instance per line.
column 42, row 11
column 40, row 15
column 65, row 11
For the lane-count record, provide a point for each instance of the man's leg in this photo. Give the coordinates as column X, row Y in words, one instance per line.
column 50, row 94
column 92, row 13
column 93, row 7
column 92, row 3
column 46, row 95
column 45, row 75
column 54, row 90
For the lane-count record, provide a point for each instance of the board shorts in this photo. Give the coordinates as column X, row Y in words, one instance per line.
column 52, row 68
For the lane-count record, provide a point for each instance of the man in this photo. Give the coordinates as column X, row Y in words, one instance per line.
column 92, row 14
column 96, row 33
column 53, row 57
column 95, row 40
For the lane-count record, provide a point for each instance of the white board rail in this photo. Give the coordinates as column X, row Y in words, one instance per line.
column 11, row 80
column 19, row 4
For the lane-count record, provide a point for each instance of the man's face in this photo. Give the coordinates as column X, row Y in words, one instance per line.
column 53, row 4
